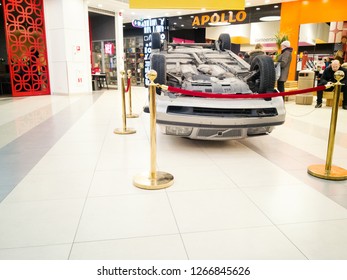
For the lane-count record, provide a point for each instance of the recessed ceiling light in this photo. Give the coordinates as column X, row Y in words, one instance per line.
column 175, row 23
column 191, row 16
column 276, row 6
column 270, row 18
column 182, row 25
column 219, row 23
column 179, row 17
column 257, row 8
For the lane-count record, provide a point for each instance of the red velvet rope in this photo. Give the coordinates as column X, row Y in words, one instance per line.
column 251, row 95
column 128, row 85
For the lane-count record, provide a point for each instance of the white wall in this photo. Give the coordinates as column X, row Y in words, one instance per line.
column 234, row 31
column 264, row 32
column 311, row 31
column 68, row 49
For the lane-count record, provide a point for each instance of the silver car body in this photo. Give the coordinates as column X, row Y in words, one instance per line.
column 213, row 71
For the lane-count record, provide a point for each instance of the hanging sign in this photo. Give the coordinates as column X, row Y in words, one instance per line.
column 191, row 4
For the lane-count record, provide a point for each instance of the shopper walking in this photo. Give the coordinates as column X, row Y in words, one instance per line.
column 328, row 76
column 285, row 58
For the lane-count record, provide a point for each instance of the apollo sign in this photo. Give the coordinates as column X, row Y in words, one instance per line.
column 230, row 17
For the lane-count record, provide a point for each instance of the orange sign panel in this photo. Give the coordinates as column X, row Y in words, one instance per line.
column 191, row 4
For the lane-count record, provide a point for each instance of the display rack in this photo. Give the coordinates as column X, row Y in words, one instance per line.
column 134, row 59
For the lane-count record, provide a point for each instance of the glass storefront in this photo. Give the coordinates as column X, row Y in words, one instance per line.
column 104, row 57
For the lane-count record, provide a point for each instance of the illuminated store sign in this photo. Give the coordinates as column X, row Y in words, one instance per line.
column 138, row 23
column 149, row 26
column 224, row 17
column 109, row 48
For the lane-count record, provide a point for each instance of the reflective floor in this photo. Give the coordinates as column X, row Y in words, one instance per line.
column 66, row 186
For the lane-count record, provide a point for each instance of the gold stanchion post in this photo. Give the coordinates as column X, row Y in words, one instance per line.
column 130, row 115
column 328, row 171
column 153, row 180
column 124, row 129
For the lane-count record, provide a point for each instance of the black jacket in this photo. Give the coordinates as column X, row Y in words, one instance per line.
column 328, row 76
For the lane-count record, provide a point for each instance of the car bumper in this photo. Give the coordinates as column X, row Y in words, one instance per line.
column 218, row 119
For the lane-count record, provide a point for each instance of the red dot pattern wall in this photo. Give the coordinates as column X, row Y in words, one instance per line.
column 26, row 47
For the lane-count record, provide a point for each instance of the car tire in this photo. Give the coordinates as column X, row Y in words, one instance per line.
column 224, row 42
column 264, row 78
column 158, row 63
column 156, row 42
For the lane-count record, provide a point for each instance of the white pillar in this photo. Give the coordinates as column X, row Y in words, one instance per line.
column 119, row 46
column 68, row 47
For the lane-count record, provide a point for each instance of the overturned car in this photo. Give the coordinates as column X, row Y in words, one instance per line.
column 213, row 68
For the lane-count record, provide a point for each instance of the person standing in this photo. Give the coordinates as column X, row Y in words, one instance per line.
column 285, row 58
column 328, row 76
column 258, row 50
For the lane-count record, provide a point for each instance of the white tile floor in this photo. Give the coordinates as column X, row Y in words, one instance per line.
column 66, row 186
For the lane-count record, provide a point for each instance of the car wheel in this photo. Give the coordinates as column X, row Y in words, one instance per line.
column 156, row 42
column 224, row 42
column 158, row 63
column 263, row 80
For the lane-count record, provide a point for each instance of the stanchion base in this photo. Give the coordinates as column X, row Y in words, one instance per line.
column 336, row 173
column 144, row 181
column 132, row 116
column 124, row 131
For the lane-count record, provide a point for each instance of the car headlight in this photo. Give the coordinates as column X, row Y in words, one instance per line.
column 179, row 130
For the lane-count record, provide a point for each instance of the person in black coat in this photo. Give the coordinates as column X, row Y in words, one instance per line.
column 328, row 76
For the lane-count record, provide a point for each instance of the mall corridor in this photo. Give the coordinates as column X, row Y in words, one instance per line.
column 66, row 187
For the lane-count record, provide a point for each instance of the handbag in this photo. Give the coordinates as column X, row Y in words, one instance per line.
column 278, row 71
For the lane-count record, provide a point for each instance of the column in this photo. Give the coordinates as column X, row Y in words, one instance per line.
column 68, row 47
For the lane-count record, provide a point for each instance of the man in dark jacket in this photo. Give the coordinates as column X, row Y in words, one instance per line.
column 328, row 76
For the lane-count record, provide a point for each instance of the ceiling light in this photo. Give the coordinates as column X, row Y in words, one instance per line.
column 270, row 18
column 191, row 16
column 257, row 8
column 179, row 17
column 219, row 23
column 182, row 25
column 276, row 6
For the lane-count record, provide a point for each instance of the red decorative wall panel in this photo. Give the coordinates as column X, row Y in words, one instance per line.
column 26, row 47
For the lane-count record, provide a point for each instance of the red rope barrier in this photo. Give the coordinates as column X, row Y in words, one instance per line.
column 128, row 85
column 251, row 95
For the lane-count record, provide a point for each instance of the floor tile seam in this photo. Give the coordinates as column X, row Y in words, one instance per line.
column 76, row 105
column 11, row 202
column 12, row 125
column 125, row 238
column 44, row 123
column 273, row 223
column 311, row 222
column 87, row 195
column 339, row 136
column 37, row 109
column 35, row 246
column 177, row 225
column 290, row 172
